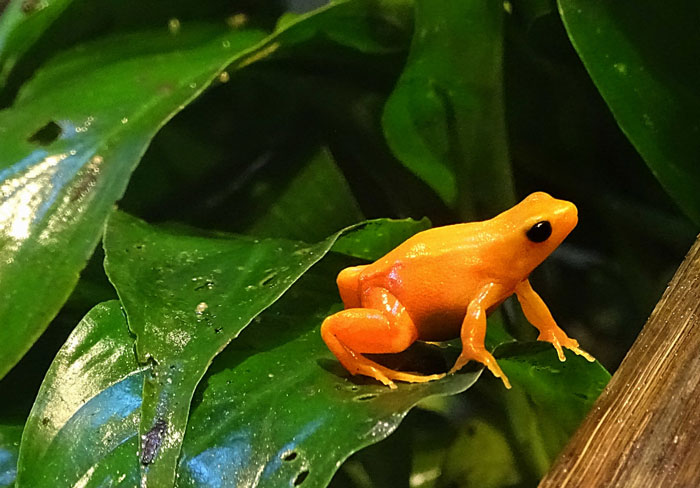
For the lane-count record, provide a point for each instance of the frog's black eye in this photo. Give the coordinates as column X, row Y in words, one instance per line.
column 540, row 232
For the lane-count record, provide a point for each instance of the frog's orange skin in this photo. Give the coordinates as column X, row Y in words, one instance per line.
column 441, row 283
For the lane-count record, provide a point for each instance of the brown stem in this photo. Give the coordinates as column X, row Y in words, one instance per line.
column 644, row 430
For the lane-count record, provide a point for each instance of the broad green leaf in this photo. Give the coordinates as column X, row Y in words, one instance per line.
column 67, row 148
column 549, row 398
column 186, row 297
column 34, row 31
column 445, row 119
column 10, row 436
column 639, row 56
column 83, row 428
column 277, row 408
column 21, row 24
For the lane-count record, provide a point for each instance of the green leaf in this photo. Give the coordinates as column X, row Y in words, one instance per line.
column 445, row 118
column 277, row 407
column 549, row 398
column 82, row 430
column 638, row 55
column 21, row 25
column 65, row 159
column 10, row 436
column 186, row 297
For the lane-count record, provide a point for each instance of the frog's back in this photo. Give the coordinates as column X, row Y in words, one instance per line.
column 451, row 244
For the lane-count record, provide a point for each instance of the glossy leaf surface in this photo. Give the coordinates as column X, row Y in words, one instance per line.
column 186, row 297
column 444, row 120
column 65, row 158
column 638, row 55
column 277, row 409
column 83, row 428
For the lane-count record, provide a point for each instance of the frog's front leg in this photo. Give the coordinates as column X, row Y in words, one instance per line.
column 473, row 332
column 538, row 314
column 381, row 326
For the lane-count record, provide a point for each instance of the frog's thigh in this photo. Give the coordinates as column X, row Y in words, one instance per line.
column 381, row 326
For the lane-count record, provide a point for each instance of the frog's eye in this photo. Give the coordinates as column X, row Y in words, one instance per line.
column 540, row 232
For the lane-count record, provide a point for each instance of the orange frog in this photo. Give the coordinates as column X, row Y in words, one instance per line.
column 441, row 283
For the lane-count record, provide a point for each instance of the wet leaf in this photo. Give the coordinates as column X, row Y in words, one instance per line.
column 445, row 118
column 277, row 409
column 186, row 297
column 83, row 428
column 10, row 435
column 638, row 55
column 65, row 159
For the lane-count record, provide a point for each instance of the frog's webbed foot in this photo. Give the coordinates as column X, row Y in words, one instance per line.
column 385, row 375
column 484, row 357
column 559, row 340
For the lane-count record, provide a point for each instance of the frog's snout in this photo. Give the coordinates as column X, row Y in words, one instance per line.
column 568, row 215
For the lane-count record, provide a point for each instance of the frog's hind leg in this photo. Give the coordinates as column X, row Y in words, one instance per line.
column 382, row 327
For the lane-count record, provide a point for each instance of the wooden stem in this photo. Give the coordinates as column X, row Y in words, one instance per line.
column 644, row 430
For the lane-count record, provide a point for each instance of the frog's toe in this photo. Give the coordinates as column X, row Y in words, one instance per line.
column 485, row 358
column 582, row 353
column 387, row 376
column 416, row 378
column 572, row 345
column 408, row 377
column 368, row 368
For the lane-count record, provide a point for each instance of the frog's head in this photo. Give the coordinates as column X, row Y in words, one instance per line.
column 537, row 225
